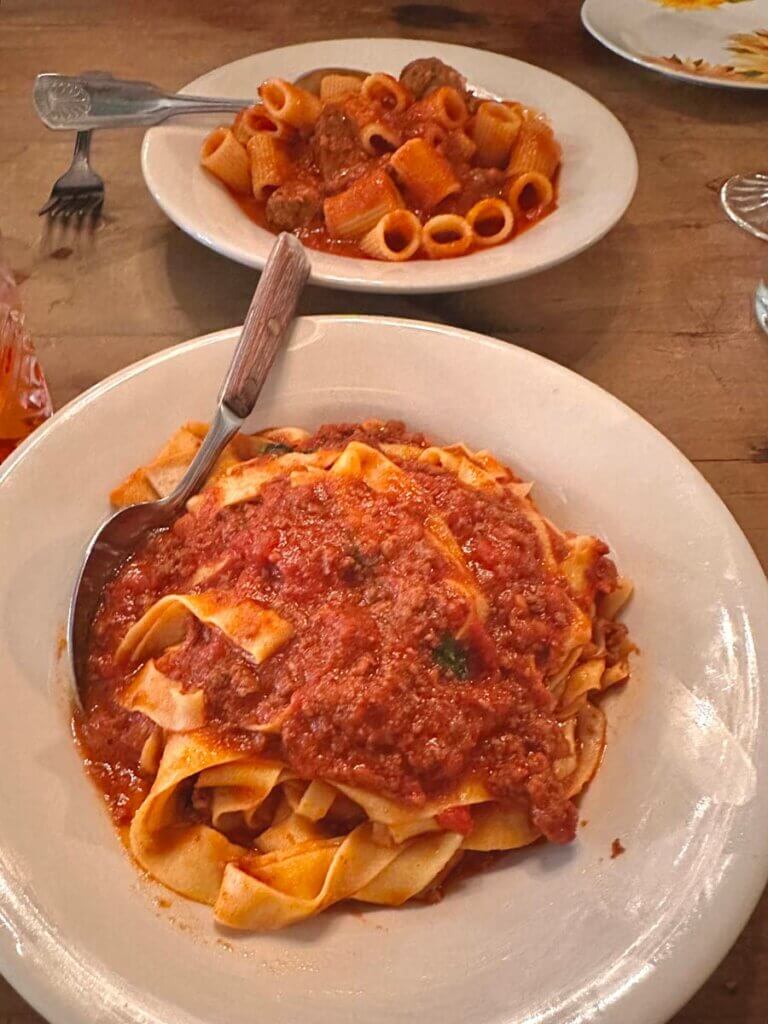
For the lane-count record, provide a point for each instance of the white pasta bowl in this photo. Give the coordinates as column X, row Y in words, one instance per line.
column 550, row 933
column 596, row 183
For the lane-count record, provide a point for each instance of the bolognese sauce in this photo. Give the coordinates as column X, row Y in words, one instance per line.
column 380, row 686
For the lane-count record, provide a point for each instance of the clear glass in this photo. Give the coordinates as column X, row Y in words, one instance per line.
column 761, row 305
column 25, row 401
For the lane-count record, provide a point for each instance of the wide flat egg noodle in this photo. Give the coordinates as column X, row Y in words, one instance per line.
column 307, row 871
column 314, row 842
column 188, row 858
column 279, row 889
column 162, row 700
column 258, row 630
column 243, row 482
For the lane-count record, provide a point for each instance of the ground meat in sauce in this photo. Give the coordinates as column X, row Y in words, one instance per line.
column 376, row 433
column 337, row 148
column 362, row 697
column 293, row 206
column 424, row 75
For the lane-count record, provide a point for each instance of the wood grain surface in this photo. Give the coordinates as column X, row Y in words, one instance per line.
column 659, row 313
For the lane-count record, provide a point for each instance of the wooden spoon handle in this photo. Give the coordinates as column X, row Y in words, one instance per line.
column 269, row 317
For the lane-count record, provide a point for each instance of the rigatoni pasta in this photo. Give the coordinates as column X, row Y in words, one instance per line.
column 225, row 157
column 354, row 212
column 424, row 173
column 337, row 87
column 530, row 194
column 491, row 221
column 385, row 91
column 536, row 149
column 378, row 138
column 446, row 235
column 445, row 106
column 396, row 237
column 256, row 119
column 270, row 165
column 496, row 129
column 378, row 167
column 288, row 103
column 458, row 147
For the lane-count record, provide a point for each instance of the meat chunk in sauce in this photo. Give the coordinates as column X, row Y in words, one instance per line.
column 426, row 74
column 337, row 148
column 476, row 184
column 293, row 205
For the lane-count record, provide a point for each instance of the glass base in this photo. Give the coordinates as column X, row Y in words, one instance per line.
column 761, row 305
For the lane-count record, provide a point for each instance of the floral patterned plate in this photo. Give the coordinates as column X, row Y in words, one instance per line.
column 712, row 42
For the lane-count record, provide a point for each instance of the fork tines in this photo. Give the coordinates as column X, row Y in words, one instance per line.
column 74, row 202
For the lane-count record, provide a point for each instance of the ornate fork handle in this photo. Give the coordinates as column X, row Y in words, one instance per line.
column 84, row 102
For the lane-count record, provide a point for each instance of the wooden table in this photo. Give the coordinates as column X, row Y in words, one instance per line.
column 659, row 313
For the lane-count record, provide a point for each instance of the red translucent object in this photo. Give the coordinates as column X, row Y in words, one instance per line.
column 25, row 401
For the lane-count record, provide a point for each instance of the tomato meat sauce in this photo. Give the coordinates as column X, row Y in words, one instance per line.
column 375, row 689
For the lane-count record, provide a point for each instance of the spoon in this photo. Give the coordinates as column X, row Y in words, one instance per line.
column 270, row 315
column 85, row 102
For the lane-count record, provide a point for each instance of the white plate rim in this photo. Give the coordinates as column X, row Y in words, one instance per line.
column 639, row 61
column 46, row 998
column 463, row 276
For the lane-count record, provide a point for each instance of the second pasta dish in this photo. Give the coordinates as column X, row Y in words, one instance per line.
column 358, row 660
column 389, row 168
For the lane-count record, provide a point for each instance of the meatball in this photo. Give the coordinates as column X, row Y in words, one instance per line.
column 426, row 74
column 293, row 206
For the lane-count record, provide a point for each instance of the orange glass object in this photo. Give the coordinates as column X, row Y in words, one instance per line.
column 25, row 401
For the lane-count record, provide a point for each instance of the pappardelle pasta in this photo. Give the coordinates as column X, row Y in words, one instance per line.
column 357, row 660
column 389, row 169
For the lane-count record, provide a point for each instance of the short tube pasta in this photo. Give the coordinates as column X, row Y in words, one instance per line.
column 529, row 195
column 256, row 119
column 495, row 131
column 338, row 87
column 354, row 212
column 269, row 164
column 396, row 237
column 458, row 146
column 491, row 221
column 446, row 106
column 227, row 159
column 536, row 149
column 288, row 103
column 446, row 235
column 426, row 175
column 386, row 91
column 378, row 138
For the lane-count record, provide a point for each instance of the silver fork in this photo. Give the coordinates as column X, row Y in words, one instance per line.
column 80, row 190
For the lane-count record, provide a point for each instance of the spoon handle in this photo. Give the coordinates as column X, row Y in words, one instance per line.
column 270, row 315
column 266, row 322
column 96, row 100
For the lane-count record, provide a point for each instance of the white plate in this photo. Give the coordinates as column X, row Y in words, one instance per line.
column 711, row 42
column 549, row 936
column 597, row 180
